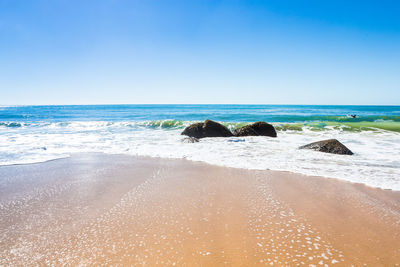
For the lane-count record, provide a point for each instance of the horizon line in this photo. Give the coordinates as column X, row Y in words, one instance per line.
column 220, row 104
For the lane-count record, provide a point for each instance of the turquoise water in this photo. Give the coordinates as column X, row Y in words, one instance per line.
column 291, row 117
column 38, row 133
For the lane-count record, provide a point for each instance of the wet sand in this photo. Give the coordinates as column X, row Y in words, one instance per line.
column 96, row 209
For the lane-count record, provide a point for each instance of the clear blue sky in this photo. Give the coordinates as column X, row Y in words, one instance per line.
column 144, row 51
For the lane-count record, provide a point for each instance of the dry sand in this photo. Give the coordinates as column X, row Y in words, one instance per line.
column 96, row 209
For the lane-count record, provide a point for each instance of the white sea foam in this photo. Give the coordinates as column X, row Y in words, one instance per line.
column 376, row 161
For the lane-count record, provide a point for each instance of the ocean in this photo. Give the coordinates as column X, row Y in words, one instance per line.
column 30, row 134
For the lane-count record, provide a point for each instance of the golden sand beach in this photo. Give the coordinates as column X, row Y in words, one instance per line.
column 95, row 209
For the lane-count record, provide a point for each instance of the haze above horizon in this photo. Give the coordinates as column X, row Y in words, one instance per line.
column 191, row 52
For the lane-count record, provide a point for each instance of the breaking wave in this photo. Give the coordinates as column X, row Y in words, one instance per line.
column 346, row 125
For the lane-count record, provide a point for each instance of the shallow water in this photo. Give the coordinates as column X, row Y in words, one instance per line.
column 38, row 133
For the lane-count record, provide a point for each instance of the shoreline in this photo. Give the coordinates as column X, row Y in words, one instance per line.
column 201, row 161
column 115, row 209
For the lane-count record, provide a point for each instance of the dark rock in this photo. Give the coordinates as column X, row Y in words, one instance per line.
column 215, row 129
column 329, row 146
column 208, row 128
column 190, row 140
column 259, row 128
column 194, row 130
column 245, row 131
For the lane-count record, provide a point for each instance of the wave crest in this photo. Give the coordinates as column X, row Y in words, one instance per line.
column 356, row 126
